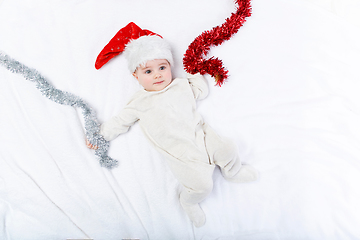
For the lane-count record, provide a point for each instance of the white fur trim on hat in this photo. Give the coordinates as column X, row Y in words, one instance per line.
column 147, row 48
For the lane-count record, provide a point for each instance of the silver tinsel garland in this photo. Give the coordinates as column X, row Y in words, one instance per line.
column 92, row 128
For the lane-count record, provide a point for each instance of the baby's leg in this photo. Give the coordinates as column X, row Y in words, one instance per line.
column 196, row 179
column 224, row 153
column 190, row 199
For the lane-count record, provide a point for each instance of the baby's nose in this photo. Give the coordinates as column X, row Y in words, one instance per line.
column 157, row 75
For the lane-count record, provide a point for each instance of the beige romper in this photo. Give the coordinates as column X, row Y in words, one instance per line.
column 170, row 121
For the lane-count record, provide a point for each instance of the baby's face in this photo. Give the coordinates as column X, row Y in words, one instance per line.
column 155, row 75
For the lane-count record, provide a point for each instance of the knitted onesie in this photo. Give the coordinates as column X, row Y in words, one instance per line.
column 170, row 121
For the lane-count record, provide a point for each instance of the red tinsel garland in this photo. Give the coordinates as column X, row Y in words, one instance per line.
column 194, row 61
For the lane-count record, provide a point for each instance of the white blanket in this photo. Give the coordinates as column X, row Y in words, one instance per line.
column 291, row 103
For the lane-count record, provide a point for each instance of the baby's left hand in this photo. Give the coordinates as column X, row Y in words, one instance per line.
column 89, row 145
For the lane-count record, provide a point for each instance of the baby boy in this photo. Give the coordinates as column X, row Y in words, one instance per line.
column 166, row 111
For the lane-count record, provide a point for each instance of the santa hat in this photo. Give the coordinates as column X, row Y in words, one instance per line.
column 139, row 46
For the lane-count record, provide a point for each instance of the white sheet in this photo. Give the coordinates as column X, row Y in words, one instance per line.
column 292, row 105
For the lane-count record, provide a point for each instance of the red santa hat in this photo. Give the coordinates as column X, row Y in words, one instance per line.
column 139, row 46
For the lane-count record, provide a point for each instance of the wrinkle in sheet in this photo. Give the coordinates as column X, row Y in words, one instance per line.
column 121, row 202
column 41, row 140
column 4, row 212
column 29, row 121
column 57, row 206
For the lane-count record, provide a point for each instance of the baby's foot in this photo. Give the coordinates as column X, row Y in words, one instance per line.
column 246, row 174
column 195, row 213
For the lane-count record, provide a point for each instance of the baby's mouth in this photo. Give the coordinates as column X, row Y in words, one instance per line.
column 159, row 82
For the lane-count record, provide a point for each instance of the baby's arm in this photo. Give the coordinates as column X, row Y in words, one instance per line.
column 118, row 124
column 198, row 85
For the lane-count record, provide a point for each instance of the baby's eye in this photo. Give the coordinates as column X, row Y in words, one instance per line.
column 162, row 68
column 147, row 71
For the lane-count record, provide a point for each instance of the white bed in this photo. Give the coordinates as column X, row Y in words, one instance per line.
column 291, row 104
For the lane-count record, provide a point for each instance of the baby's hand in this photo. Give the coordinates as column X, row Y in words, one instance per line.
column 89, row 145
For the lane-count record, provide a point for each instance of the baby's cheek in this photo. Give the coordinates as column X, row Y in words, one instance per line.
column 148, row 81
column 169, row 76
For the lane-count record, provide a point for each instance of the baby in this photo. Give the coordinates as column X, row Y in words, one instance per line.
column 166, row 112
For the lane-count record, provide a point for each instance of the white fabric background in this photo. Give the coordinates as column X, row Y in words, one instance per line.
column 291, row 103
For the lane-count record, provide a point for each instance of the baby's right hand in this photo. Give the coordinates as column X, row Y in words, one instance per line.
column 89, row 145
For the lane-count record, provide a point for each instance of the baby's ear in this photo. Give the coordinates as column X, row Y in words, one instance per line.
column 135, row 75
